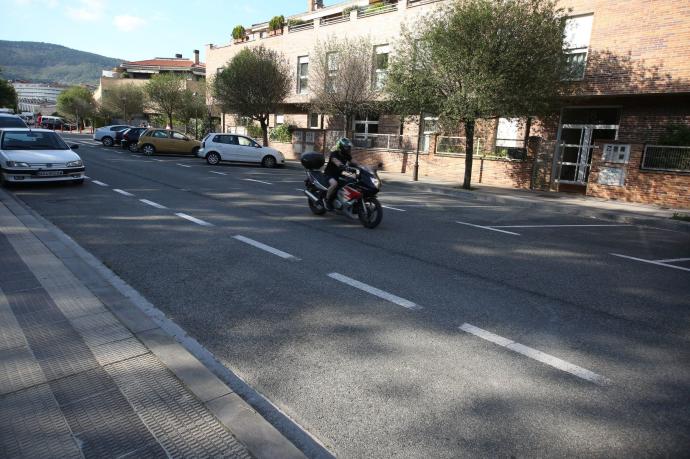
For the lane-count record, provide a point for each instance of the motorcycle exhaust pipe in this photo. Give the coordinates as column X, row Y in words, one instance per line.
column 311, row 195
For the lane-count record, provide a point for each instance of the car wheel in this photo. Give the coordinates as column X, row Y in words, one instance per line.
column 148, row 149
column 132, row 147
column 268, row 161
column 107, row 141
column 213, row 158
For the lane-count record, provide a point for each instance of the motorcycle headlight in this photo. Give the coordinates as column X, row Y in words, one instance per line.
column 76, row 163
column 376, row 182
column 17, row 164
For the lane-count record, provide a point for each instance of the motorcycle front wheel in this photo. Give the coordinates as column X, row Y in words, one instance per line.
column 371, row 213
column 316, row 207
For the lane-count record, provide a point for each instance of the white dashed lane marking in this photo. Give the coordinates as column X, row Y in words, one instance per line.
column 266, row 248
column 193, row 219
column 99, row 183
column 489, row 228
column 153, row 204
column 375, row 291
column 393, row 208
column 259, row 181
column 122, row 192
column 663, row 263
column 183, row 165
column 219, row 173
column 535, row 354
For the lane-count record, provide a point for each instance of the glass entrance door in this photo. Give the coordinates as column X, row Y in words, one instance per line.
column 575, row 150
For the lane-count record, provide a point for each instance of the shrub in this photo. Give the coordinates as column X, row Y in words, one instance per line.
column 276, row 23
column 295, row 22
column 239, row 32
column 254, row 131
column 281, row 133
column 349, row 9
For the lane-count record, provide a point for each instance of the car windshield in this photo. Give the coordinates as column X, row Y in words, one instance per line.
column 11, row 122
column 31, row 140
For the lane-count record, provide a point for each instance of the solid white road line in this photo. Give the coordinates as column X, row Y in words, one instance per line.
column 651, row 262
column 535, row 354
column 673, row 260
column 393, row 208
column 265, row 247
column 183, row 165
column 551, row 226
column 192, row 219
column 159, row 160
column 153, row 204
column 299, row 189
column 489, row 228
column 219, row 173
column 260, row 181
column 99, row 183
column 444, row 205
column 122, row 192
column 374, row 291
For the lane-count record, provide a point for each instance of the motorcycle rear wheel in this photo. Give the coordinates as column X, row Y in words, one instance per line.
column 316, row 207
column 371, row 213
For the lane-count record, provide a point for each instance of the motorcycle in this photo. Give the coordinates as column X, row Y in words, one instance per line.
column 356, row 194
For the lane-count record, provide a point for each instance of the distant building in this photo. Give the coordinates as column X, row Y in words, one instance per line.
column 37, row 97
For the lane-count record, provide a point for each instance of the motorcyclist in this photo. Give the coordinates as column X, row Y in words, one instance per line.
column 340, row 157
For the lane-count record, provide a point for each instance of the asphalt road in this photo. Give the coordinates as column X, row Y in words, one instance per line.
column 455, row 329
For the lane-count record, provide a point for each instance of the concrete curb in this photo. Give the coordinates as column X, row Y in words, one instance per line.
column 185, row 357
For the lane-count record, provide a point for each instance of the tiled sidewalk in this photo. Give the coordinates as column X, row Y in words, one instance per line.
column 75, row 381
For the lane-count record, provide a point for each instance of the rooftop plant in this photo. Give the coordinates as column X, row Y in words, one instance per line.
column 239, row 32
column 276, row 23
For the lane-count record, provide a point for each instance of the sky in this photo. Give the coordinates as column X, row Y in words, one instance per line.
column 136, row 29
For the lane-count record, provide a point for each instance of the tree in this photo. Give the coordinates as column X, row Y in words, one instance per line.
column 123, row 101
column 193, row 107
column 253, row 84
column 8, row 96
column 486, row 59
column 166, row 94
column 76, row 103
column 341, row 79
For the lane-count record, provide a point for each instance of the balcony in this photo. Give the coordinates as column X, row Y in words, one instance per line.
column 335, row 19
column 377, row 8
column 300, row 26
column 413, row 3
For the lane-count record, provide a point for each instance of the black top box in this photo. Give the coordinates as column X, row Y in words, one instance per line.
column 312, row 160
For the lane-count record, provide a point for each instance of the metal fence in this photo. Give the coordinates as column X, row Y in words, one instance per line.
column 666, row 158
column 386, row 141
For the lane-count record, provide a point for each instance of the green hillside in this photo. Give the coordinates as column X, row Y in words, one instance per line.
column 46, row 62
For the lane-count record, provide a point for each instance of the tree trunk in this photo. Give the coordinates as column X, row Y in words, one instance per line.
column 264, row 130
column 170, row 123
column 469, row 150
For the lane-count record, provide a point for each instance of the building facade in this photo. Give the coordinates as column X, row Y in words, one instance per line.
column 631, row 83
column 37, row 97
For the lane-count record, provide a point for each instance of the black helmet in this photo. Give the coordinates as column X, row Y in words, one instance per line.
column 344, row 145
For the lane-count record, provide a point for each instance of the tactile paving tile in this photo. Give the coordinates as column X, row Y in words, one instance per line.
column 19, row 370
column 180, row 422
column 117, row 351
column 59, row 349
column 76, row 302
column 152, row 451
column 20, row 284
column 97, row 329
column 106, row 425
column 87, row 384
column 32, row 426
column 45, row 317
column 11, row 334
column 29, row 301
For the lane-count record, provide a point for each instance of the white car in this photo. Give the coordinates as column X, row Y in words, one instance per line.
column 217, row 147
column 37, row 155
column 107, row 134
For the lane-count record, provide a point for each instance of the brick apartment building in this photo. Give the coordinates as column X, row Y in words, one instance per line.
column 634, row 81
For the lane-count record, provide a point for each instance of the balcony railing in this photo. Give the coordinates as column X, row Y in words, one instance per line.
column 335, row 19
column 300, row 27
column 376, row 8
column 386, row 141
column 412, row 3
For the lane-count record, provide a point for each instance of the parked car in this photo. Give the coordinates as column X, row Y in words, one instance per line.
column 37, row 155
column 217, row 147
column 130, row 138
column 154, row 141
column 56, row 123
column 8, row 120
column 106, row 134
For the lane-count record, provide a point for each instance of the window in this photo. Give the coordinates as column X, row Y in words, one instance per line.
column 507, row 133
column 365, row 125
column 280, row 119
column 178, row 136
column 332, row 62
column 245, row 142
column 578, row 30
column 303, row 75
column 160, row 134
column 380, row 65
column 314, row 120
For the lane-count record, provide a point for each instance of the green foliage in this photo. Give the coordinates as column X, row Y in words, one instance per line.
column 45, row 62
column 676, row 135
column 681, row 216
column 123, row 101
column 8, row 96
column 276, row 23
column 254, row 130
column 295, row 22
column 349, row 9
column 193, row 108
column 76, row 103
column 165, row 92
column 374, row 7
column 239, row 32
column 253, row 83
column 281, row 133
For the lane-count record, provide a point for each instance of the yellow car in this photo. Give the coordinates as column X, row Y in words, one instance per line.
column 154, row 141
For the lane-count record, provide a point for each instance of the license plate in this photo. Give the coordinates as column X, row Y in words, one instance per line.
column 49, row 173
